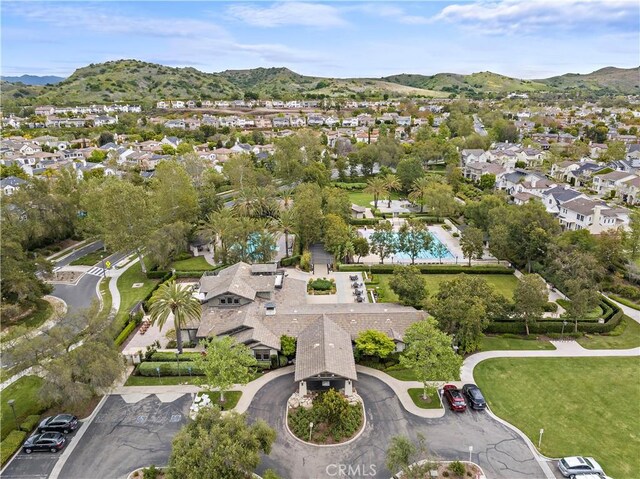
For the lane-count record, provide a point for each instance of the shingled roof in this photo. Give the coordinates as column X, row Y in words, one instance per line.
column 238, row 280
column 324, row 347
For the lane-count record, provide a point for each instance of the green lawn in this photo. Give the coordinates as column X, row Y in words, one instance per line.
column 499, row 343
column 231, row 399
column 586, row 406
column 625, row 336
column 366, row 199
column 504, row 284
column 594, row 314
column 25, row 394
column 432, row 402
column 197, row 263
column 163, row 380
column 129, row 296
column 402, row 374
column 91, row 258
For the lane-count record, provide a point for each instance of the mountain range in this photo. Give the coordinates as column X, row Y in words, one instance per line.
column 142, row 82
column 33, row 79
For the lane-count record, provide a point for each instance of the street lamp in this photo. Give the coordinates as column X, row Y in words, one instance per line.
column 158, row 371
column 12, row 403
column 189, row 371
column 310, row 429
column 564, row 323
column 470, row 452
column 540, row 439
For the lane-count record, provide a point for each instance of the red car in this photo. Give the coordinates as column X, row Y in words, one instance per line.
column 455, row 398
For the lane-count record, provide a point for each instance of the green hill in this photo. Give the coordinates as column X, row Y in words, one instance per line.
column 141, row 82
column 618, row 80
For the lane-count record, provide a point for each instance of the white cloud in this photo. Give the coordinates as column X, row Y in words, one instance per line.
column 521, row 16
column 391, row 12
column 288, row 13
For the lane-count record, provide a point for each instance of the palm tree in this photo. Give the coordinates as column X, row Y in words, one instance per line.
column 216, row 227
column 171, row 298
column 391, row 183
column 377, row 187
column 419, row 192
column 286, row 223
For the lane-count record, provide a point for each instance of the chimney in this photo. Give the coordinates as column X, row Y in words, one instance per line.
column 596, row 215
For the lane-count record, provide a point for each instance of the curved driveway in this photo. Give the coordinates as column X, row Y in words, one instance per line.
column 497, row 449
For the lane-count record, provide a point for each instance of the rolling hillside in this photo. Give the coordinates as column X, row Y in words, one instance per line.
column 33, row 79
column 141, row 82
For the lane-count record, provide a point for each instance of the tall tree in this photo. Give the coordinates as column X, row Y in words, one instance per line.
column 633, row 238
column 220, row 446
column 360, row 247
column 464, row 307
column 529, row 300
column 176, row 300
column 166, row 242
column 286, row 223
column 472, row 243
column 409, row 284
column 414, row 238
column 225, row 363
column 391, row 184
column 378, row 188
column 307, row 209
column 374, row 343
column 384, row 241
column 419, row 192
column 440, row 201
column 122, row 214
column 409, row 171
column 429, row 354
column 336, row 235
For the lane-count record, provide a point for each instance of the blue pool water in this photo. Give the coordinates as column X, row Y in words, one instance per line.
column 425, row 254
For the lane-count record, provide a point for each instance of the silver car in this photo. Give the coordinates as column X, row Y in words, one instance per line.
column 576, row 465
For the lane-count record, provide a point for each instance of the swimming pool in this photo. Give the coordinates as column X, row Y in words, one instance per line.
column 425, row 254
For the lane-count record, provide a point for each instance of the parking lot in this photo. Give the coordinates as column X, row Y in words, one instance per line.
column 122, row 437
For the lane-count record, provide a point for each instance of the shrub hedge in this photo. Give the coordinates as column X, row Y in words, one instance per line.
column 290, row 261
column 168, row 368
column 11, row 444
column 349, row 186
column 429, row 269
column 363, row 221
column 164, row 356
column 546, row 327
column 30, row 423
column 124, row 334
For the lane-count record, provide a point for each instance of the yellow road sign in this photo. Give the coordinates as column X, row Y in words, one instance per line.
column 108, row 264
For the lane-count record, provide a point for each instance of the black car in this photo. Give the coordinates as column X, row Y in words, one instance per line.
column 48, row 441
column 474, row 396
column 61, row 423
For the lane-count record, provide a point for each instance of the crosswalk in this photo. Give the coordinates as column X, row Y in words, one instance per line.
column 96, row 271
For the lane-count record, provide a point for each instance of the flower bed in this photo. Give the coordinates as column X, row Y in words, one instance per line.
column 321, row 286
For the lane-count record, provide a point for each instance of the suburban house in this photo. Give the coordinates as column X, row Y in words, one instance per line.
column 609, row 182
column 554, row 198
column 595, row 216
column 475, row 170
column 629, row 191
column 10, row 184
column 256, row 304
column 472, row 156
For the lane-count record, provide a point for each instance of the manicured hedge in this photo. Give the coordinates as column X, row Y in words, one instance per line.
column 30, row 423
column 363, row 221
column 625, row 301
column 349, row 186
column 124, row 334
column 168, row 368
column 290, row 261
column 158, row 274
column 163, row 356
column 545, row 327
column 429, row 269
column 11, row 444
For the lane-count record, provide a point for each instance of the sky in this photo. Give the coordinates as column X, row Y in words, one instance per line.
column 524, row 39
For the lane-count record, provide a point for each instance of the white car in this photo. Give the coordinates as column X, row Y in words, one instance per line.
column 577, row 466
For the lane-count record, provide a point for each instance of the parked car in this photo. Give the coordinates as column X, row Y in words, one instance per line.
column 455, row 398
column 64, row 423
column 589, row 476
column 577, row 465
column 48, row 441
column 475, row 399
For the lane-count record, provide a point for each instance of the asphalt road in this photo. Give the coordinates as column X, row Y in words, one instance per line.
column 124, row 437
column 36, row 464
column 498, row 450
column 90, row 248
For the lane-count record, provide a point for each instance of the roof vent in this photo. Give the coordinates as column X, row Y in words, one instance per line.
column 317, row 345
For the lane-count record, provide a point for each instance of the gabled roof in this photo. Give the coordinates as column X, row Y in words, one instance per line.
column 12, row 181
column 237, row 280
column 562, row 194
column 324, row 347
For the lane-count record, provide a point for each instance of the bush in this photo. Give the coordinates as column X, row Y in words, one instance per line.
column 429, row 269
column 550, row 307
column 124, row 334
column 30, row 423
column 455, row 234
column 457, row 468
column 349, row 186
column 282, row 360
column 290, row 261
column 157, row 274
column 182, row 256
column 168, row 356
column 363, row 221
column 11, row 444
column 151, row 472
column 446, row 227
column 305, row 261
column 321, row 284
column 168, row 368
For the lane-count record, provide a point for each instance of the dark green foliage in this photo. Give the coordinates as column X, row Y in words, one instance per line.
column 30, row 423
column 321, row 285
column 430, row 269
column 168, row 368
column 162, row 356
column 290, row 261
column 125, row 333
column 11, row 444
column 288, row 345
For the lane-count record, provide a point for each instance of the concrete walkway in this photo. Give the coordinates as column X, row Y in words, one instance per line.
column 632, row 313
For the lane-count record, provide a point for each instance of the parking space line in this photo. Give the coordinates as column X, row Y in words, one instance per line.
column 67, row 452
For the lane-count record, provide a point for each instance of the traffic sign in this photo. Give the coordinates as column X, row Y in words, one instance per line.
column 108, row 264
